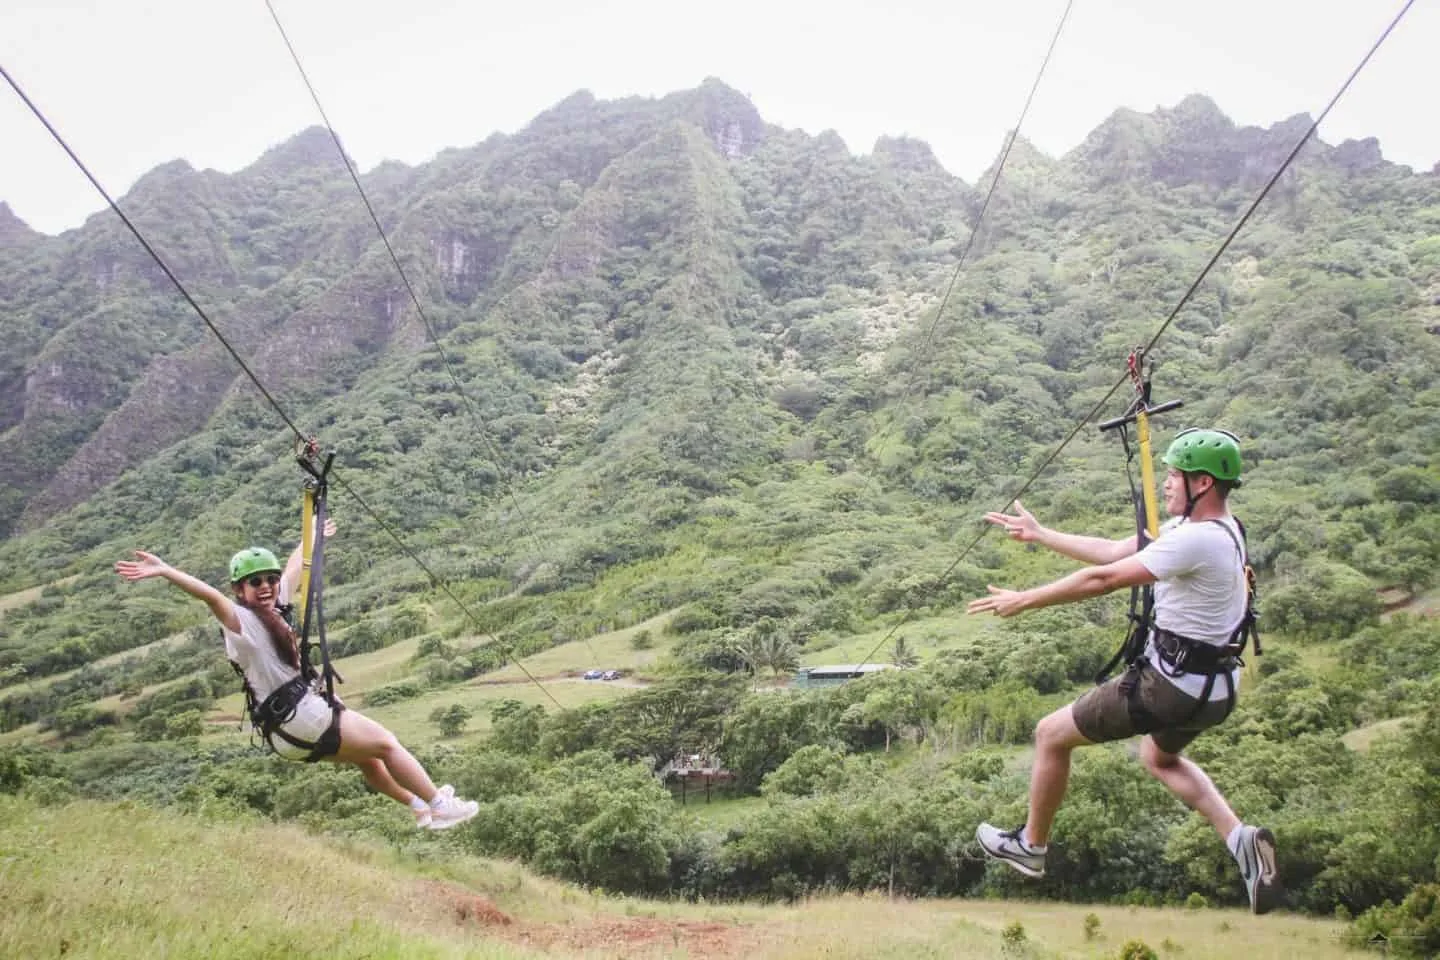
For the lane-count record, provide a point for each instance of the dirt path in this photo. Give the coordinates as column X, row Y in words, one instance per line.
column 617, row 936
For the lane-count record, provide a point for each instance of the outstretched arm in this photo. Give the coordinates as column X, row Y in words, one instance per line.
column 293, row 564
column 148, row 565
column 1080, row 585
column 1023, row 526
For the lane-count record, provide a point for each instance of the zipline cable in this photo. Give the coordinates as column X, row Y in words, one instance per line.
column 485, row 438
column 1144, row 351
column 974, row 232
column 160, row 261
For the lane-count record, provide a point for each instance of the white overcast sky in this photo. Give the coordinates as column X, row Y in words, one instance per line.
column 132, row 84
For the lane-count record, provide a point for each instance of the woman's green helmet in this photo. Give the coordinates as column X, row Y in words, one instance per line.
column 1216, row 452
column 252, row 560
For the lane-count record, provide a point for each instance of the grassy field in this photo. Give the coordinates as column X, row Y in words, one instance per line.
column 19, row 598
column 605, row 651
column 1362, row 737
column 91, row 880
column 925, row 637
column 43, row 683
column 410, row 719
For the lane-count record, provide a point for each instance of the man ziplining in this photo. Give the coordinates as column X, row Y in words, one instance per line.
column 1184, row 679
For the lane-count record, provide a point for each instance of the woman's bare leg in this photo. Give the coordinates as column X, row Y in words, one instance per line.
column 364, row 743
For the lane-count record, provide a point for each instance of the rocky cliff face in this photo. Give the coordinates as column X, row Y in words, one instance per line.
column 563, row 237
column 1195, row 143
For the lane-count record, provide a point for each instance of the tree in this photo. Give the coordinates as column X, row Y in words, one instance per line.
column 902, row 655
column 452, row 719
column 514, row 727
column 767, row 646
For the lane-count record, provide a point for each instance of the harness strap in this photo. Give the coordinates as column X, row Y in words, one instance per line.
column 324, row 746
column 314, row 608
column 279, row 708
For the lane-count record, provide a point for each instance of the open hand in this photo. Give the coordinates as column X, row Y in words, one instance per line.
column 1001, row 602
column 146, row 565
column 1021, row 525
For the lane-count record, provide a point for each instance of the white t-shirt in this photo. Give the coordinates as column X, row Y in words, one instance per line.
column 253, row 650
column 1200, row 591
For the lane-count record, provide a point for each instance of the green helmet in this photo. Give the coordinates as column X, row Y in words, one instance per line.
column 252, row 560
column 1216, row 452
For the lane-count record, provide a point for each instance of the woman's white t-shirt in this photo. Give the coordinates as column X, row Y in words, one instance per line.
column 1200, row 591
column 252, row 649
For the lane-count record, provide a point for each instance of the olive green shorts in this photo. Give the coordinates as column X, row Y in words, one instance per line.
column 1157, row 707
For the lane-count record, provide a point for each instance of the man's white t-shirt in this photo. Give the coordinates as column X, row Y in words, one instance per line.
column 252, row 649
column 1200, row 591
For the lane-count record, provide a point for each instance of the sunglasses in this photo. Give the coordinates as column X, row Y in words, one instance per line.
column 269, row 578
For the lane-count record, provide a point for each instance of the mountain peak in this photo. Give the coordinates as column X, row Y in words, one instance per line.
column 727, row 116
column 907, row 153
column 13, row 230
column 311, row 147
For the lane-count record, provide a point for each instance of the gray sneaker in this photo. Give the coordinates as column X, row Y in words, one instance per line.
column 1258, row 869
column 1008, row 845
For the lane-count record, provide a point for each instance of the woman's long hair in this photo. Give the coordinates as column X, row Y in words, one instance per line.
column 282, row 637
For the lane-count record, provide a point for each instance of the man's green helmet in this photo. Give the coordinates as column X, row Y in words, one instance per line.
column 252, row 560
column 1216, row 452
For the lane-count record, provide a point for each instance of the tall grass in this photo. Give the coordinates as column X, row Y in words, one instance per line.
column 92, row 880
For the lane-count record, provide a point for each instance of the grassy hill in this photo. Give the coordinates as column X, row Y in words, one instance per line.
column 92, row 880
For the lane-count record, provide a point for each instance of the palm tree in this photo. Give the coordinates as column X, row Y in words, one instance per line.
column 765, row 646
column 902, row 656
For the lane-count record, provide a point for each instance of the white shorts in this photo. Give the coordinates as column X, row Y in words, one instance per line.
column 312, row 718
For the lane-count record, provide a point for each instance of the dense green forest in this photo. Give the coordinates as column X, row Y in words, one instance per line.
column 694, row 368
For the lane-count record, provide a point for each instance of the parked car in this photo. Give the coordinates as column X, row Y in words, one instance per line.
column 610, row 675
column 592, row 674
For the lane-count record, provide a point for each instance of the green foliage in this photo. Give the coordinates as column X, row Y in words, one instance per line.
column 809, row 770
column 1137, row 950
column 451, row 719
column 1013, row 937
column 590, row 819
column 514, row 727
column 1411, row 929
column 1324, row 601
column 705, row 381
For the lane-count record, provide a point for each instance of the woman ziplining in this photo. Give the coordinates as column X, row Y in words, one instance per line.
column 297, row 717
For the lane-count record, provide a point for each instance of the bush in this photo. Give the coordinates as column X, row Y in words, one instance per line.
column 394, row 693
column 1137, row 950
column 1409, row 930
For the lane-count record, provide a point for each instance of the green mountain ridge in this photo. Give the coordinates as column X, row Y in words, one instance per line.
column 704, row 374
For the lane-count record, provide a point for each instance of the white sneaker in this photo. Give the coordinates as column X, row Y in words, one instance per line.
column 1258, row 869
column 447, row 811
column 1010, row 846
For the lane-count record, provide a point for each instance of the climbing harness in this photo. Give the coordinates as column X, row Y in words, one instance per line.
column 270, row 716
column 1178, row 655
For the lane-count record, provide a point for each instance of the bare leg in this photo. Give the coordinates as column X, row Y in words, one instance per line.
column 1187, row 781
column 363, row 740
column 1056, row 736
column 380, row 780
